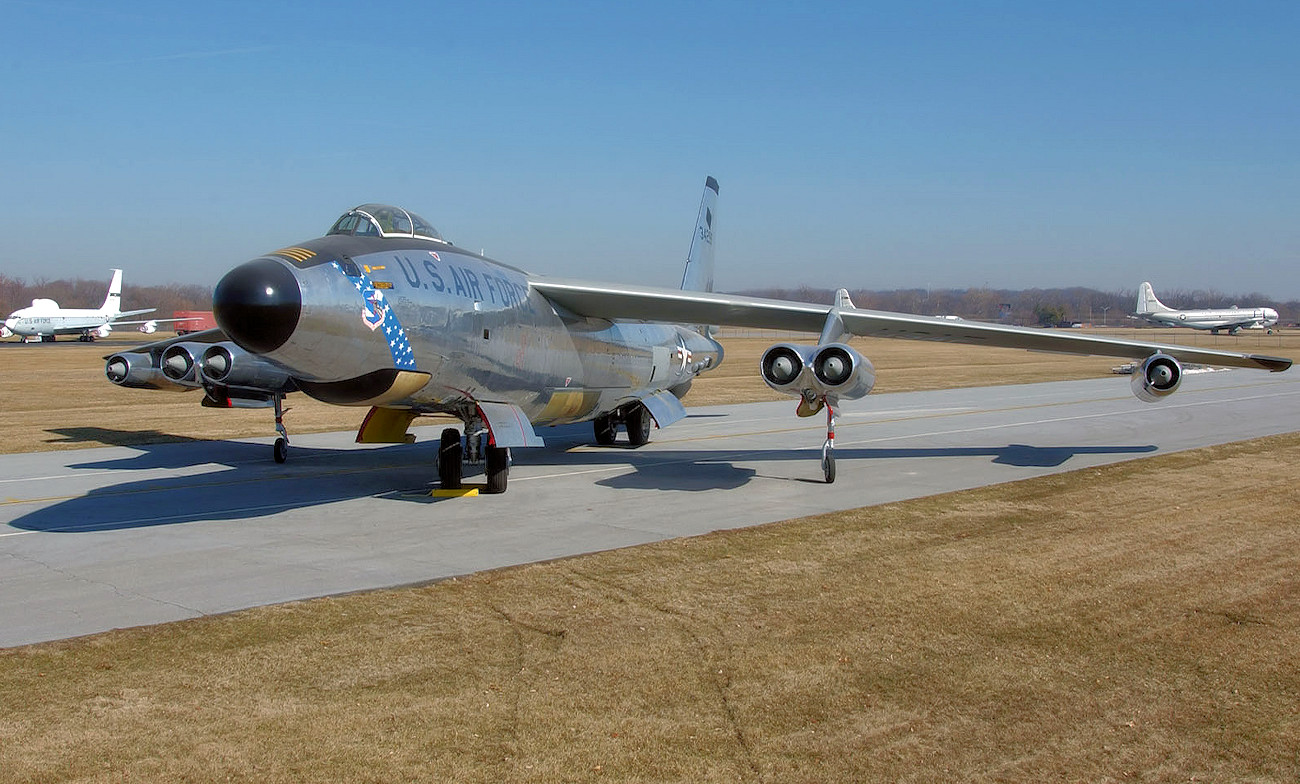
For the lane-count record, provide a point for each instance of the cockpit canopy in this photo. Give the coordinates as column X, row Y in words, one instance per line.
column 384, row 220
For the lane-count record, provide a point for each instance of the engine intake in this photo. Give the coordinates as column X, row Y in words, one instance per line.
column 1157, row 377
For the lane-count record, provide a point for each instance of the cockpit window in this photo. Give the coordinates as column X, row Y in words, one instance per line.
column 344, row 225
column 383, row 220
column 423, row 229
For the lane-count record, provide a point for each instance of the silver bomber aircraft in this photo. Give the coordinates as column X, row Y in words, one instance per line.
column 385, row 314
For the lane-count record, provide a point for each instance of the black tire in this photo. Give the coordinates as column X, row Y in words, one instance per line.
column 638, row 425
column 828, row 467
column 497, row 470
column 449, row 460
column 281, row 450
column 606, row 431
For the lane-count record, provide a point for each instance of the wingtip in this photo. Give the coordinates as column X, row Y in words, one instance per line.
column 1275, row 364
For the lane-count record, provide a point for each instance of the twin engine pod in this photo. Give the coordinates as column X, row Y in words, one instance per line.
column 1157, row 377
column 830, row 369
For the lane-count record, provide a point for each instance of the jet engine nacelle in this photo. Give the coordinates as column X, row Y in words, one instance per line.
column 785, row 367
column 179, row 362
column 831, row 369
column 149, row 327
column 137, row 371
column 228, row 365
column 1157, row 377
column 102, row 331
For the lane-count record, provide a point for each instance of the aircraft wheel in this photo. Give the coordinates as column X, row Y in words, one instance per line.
column 605, row 430
column 280, row 450
column 449, row 459
column 828, row 465
column 638, row 425
column 498, row 469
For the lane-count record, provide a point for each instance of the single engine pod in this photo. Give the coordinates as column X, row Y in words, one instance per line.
column 1156, row 378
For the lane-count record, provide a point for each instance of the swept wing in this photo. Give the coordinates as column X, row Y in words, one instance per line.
column 640, row 303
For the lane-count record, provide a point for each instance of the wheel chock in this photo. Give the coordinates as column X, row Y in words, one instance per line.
column 464, row 492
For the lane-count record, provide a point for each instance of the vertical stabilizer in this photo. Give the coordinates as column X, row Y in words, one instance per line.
column 1147, row 302
column 113, row 302
column 699, row 262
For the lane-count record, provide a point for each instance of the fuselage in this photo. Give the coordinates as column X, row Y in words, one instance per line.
column 419, row 323
column 41, row 319
column 1226, row 318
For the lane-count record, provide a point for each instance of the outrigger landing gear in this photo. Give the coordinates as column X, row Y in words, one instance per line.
column 828, row 448
column 281, row 449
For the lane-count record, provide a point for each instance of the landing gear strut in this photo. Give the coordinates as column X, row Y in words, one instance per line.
column 281, row 449
column 828, row 448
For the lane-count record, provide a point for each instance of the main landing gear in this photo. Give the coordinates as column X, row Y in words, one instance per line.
column 453, row 455
column 635, row 416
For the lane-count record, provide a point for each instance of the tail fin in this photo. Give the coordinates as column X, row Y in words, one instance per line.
column 113, row 302
column 699, row 262
column 1147, row 302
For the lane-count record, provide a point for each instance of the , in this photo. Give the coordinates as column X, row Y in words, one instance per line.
column 384, row 313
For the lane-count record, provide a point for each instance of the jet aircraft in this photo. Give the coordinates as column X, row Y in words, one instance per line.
column 44, row 320
column 1232, row 319
column 384, row 313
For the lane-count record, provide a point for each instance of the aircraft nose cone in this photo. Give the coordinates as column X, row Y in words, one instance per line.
column 257, row 305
